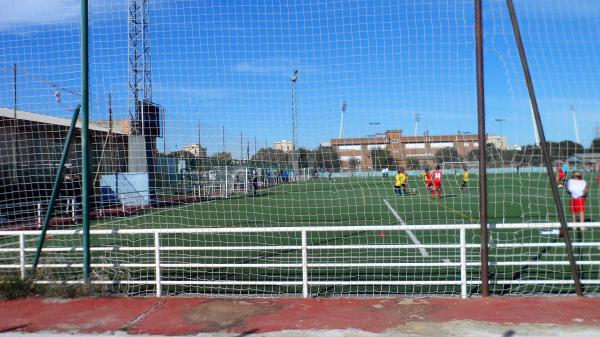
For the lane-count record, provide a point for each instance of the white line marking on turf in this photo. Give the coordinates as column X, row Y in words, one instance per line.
column 412, row 235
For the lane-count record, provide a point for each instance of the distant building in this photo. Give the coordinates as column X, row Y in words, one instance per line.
column 402, row 149
column 284, row 145
column 196, row 150
column 498, row 141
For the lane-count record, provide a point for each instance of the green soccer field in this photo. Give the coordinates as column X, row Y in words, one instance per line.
column 513, row 198
column 359, row 201
column 344, row 202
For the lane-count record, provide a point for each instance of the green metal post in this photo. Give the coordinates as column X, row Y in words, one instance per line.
column 85, row 149
column 55, row 189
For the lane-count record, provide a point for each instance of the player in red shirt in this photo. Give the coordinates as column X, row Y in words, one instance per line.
column 427, row 176
column 437, row 182
column 560, row 179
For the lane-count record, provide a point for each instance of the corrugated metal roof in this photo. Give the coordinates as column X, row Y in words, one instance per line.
column 53, row 120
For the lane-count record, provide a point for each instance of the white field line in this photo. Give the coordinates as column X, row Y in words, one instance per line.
column 411, row 235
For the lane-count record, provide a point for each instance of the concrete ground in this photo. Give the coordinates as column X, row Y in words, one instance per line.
column 274, row 317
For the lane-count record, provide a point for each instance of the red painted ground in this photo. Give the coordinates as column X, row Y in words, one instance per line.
column 181, row 316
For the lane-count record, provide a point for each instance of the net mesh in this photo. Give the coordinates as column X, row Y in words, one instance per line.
column 298, row 115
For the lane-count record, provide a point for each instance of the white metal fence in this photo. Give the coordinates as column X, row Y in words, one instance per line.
column 15, row 253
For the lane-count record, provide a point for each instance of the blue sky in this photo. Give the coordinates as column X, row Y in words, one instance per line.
column 226, row 63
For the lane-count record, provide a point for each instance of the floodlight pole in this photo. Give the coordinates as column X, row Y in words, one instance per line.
column 343, row 107
column 575, row 124
column 483, row 209
column 417, row 120
column 294, row 79
column 223, row 138
column 85, row 146
column 546, row 154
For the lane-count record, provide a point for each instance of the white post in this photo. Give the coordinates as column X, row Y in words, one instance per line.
column 535, row 131
column 246, row 181
column 73, row 210
column 226, row 178
column 142, row 199
column 22, row 254
column 39, row 215
column 463, row 263
column 123, row 202
column 304, row 265
column 575, row 125
column 157, row 262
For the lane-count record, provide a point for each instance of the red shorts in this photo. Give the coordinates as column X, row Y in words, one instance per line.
column 437, row 183
column 577, row 205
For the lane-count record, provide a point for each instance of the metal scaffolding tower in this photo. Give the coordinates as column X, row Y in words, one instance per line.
column 140, row 66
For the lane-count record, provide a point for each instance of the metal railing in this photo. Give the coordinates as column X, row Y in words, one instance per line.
column 304, row 265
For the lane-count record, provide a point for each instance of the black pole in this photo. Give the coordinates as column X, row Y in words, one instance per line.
column 545, row 153
column 483, row 211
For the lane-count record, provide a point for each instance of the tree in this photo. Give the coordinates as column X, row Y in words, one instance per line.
column 306, row 158
column 563, row 149
column 222, row 156
column 326, row 157
column 380, row 158
column 413, row 164
column 271, row 155
column 217, row 159
column 530, row 155
column 447, row 154
column 595, row 147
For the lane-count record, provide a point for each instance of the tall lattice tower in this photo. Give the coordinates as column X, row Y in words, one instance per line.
column 146, row 116
column 140, row 61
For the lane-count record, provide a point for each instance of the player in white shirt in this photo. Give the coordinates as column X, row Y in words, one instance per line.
column 578, row 188
column 437, row 182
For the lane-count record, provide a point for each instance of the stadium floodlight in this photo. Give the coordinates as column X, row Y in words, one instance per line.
column 343, row 107
column 575, row 123
column 417, row 120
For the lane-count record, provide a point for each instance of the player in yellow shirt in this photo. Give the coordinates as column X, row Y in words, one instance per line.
column 465, row 180
column 399, row 182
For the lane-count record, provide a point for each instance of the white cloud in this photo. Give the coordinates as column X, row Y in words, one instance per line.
column 16, row 14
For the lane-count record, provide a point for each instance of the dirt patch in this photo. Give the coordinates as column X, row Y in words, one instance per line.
column 219, row 315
